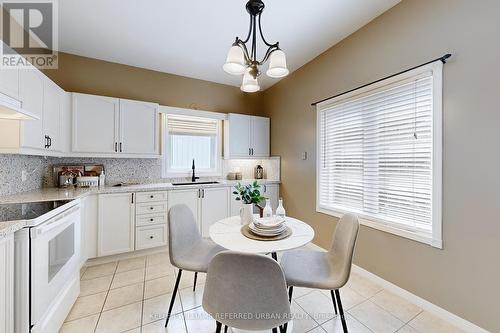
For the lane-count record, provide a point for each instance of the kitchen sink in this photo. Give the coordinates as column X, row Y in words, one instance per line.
column 194, row 183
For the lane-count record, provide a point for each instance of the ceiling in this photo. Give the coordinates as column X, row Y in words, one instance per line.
column 191, row 37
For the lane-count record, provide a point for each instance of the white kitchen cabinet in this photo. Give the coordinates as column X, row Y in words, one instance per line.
column 208, row 205
column 42, row 97
column 116, row 224
column 234, row 205
column 7, row 284
column 9, row 82
column 214, row 207
column 88, row 244
column 31, row 83
column 246, row 136
column 139, row 123
column 112, row 127
column 95, row 124
column 238, row 135
column 189, row 197
column 260, row 136
column 51, row 119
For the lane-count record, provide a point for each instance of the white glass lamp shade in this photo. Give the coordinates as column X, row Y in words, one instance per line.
column 250, row 84
column 235, row 61
column 277, row 65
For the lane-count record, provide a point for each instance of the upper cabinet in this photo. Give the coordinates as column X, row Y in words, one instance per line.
column 95, row 124
column 246, row 136
column 105, row 126
column 40, row 96
column 9, row 82
column 139, row 122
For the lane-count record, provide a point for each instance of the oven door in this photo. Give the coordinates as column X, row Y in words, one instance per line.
column 55, row 256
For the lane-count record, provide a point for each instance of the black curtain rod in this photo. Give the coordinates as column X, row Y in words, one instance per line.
column 443, row 59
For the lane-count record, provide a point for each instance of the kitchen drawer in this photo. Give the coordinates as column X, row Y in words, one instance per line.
column 151, row 196
column 150, row 236
column 151, row 208
column 149, row 219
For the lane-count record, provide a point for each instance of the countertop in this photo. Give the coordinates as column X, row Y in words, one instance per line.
column 50, row 194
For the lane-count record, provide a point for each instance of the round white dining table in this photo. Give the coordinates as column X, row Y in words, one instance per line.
column 227, row 234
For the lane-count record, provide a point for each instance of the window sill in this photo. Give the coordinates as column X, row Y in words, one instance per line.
column 421, row 237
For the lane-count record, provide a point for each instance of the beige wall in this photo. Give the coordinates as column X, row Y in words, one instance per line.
column 92, row 76
column 464, row 277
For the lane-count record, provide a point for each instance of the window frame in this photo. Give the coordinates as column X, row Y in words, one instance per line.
column 434, row 237
column 171, row 173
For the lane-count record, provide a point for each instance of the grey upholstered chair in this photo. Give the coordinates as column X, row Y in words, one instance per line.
column 325, row 270
column 187, row 249
column 252, row 285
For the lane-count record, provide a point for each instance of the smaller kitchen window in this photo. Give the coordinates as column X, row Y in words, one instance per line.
column 187, row 138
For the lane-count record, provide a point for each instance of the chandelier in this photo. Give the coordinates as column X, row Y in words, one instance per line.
column 241, row 61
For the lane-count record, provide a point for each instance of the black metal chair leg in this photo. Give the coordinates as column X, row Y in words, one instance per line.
column 172, row 300
column 290, row 294
column 274, row 255
column 225, row 328
column 275, row 330
column 334, row 302
column 341, row 311
column 195, row 278
column 218, row 328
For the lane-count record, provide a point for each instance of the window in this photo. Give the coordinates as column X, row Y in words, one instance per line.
column 189, row 138
column 379, row 155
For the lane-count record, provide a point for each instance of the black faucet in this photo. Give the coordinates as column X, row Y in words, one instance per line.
column 193, row 178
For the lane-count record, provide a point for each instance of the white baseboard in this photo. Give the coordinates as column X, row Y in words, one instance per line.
column 455, row 320
column 123, row 256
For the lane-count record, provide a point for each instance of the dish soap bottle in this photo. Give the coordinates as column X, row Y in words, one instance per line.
column 268, row 210
column 102, row 178
column 280, row 211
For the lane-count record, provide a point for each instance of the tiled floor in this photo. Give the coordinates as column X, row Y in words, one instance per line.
column 132, row 296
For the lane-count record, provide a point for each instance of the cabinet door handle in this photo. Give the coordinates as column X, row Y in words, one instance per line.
column 151, row 237
column 120, row 147
column 132, row 197
column 46, row 142
column 151, row 220
column 265, row 188
column 151, row 196
column 199, row 193
column 203, row 193
column 50, row 141
column 250, row 151
column 116, row 147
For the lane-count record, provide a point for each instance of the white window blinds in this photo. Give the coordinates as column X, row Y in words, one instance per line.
column 376, row 153
column 187, row 125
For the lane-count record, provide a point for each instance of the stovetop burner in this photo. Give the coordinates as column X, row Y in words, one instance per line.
column 28, row 210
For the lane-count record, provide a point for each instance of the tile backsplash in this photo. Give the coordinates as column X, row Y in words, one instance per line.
column 39, row 170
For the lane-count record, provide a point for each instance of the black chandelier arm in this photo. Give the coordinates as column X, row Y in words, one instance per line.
column 270, row 50
column 249, row 30
column 262, row 34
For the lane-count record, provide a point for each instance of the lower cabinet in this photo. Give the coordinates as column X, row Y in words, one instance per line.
column 187, row 197
column 116, row 224
column 214, row 207
column 208, row 205
column 7, row 284
column 151, row 212
column 88, row 240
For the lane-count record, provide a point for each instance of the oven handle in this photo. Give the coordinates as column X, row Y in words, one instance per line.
column 51, row 224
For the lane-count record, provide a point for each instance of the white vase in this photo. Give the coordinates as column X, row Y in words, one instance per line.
column 246, row 214
column 280, row 211
column 268, row 210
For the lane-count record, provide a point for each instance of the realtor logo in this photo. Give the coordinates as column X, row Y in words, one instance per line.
column 29, row 33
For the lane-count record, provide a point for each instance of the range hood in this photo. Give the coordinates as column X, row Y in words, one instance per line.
column 11, row 108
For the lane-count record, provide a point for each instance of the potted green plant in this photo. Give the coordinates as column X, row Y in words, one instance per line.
column 249, row 195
